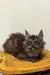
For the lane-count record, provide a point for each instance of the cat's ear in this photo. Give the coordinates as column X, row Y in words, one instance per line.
column 40, row 35
column 27, row 34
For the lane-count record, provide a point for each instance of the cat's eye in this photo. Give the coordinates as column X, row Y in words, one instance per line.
column 37, row 42
column 30, row 40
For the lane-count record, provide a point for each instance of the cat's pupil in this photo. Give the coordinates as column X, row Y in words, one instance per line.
column 30, row 42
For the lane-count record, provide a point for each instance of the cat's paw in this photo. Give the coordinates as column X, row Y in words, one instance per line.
column 34, row 60
column 37, row 60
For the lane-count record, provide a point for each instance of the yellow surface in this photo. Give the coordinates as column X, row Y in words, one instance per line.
column 11, row 65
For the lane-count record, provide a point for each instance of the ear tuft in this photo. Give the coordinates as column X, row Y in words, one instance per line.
column 26, row 34
column 40, row 35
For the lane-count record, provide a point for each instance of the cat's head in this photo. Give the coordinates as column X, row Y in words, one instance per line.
column 34, row 44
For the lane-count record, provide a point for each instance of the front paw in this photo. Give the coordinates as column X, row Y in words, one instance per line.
column 34, row 60
column 37, row 60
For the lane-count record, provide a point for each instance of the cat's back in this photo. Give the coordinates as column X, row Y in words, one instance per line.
column 18, row 36
column 14, row 42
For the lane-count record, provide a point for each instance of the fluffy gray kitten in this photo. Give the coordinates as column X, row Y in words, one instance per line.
column 25, row 47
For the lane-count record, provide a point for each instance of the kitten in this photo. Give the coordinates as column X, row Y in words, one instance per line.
column 25, row 47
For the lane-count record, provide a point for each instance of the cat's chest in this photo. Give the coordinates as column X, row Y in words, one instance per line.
column 33, row 53
column 36, row 52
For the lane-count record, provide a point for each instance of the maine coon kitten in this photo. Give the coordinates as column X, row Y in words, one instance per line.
column 25, row 47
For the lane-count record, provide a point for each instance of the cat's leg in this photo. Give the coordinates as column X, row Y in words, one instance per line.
column 39, row 57
column 36, row 59
column 33, row 60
